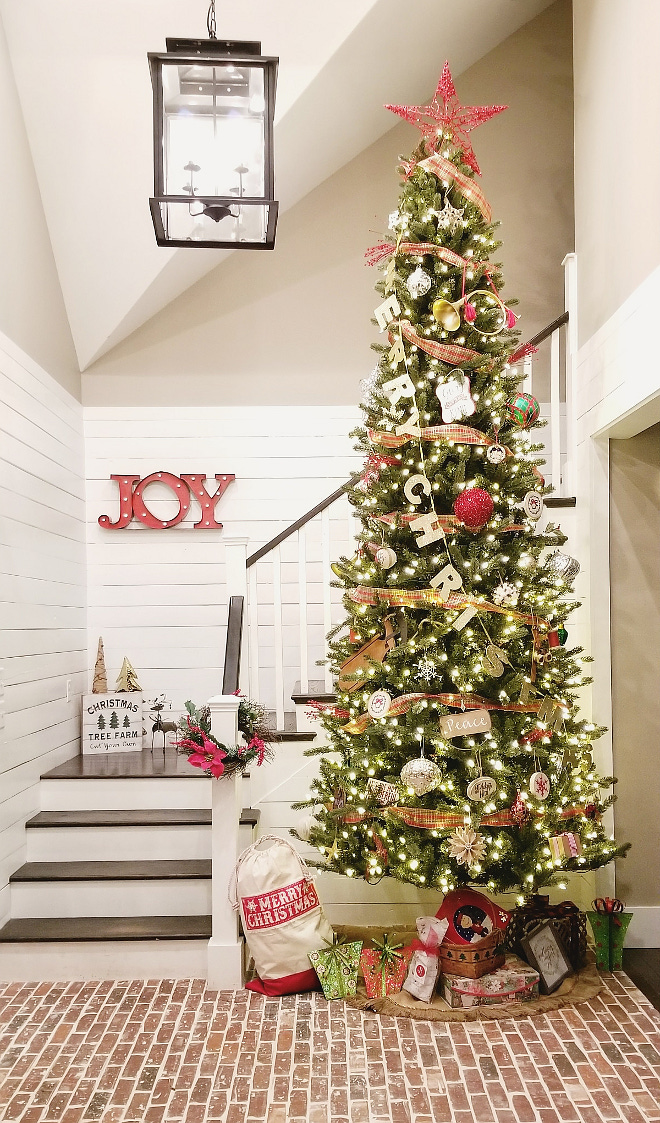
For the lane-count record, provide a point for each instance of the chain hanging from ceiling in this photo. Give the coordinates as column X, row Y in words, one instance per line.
column 210, row 21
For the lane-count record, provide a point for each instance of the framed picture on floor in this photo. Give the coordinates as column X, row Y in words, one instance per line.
column 544, row 952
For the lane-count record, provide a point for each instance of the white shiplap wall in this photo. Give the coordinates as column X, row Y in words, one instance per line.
column 42, row 590
column 159, row 596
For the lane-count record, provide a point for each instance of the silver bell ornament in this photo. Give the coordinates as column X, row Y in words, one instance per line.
column 421, row 775
column 418, row 283
column 562, row 565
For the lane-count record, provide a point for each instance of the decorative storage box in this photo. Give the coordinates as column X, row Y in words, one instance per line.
column 513, row 982
column 472, row 962
column 570, row 926
column 112, row 723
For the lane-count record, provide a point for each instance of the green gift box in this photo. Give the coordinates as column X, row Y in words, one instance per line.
column 609, row 927
column 337, row 967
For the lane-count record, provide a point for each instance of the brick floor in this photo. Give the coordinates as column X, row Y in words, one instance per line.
column 175, row 1052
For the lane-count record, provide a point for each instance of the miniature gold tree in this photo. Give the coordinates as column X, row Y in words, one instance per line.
column 127, row 679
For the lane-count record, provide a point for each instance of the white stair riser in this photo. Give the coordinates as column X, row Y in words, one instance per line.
column 111, row 898
column 122, row 794
column 117, row 844
column 107, row 959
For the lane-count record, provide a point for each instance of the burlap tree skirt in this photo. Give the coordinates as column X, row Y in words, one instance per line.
column 580, row 987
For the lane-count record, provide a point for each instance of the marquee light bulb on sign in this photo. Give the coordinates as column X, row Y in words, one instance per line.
column 132, row 502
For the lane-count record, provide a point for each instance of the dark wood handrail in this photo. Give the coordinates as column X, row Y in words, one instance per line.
column 284, row 534
column 548, row 331
column 232, row 668
column 260, row 553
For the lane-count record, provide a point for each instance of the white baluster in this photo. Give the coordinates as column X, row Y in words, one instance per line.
column 528, row 373
column 327, row 577
column 302, row 609
column 555, row 412
column 277, row 638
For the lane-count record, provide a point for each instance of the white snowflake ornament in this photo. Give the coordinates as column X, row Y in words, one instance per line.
column 394, row 220
column 450, row 218
column 426, row 668
column 506, row 594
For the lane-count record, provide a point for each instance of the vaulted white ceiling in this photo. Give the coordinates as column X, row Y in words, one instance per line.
column 83, row 81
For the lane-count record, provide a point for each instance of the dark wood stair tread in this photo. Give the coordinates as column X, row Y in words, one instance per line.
column 191, row 868
column 47, row 929
column 168, row 764
column 293, row 735
column 149, row 817
column 316, row 692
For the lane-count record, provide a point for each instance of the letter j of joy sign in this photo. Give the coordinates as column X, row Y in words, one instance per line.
column 132, row 502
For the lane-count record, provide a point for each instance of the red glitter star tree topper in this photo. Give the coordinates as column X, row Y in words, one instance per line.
column 445, row 114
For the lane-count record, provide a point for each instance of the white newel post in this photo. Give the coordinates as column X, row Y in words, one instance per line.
column 225, row 949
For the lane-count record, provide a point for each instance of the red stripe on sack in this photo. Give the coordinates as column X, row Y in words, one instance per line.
column 288, row 984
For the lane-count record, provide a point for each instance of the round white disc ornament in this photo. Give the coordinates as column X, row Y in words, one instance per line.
column 539, row 785
column 385, row 557
column 379, row 703
column 495, row 454
column 482, row 788
column 418, row 283
column 533, row 505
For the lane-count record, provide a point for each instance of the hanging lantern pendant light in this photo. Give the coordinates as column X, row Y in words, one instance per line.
column 214, row 182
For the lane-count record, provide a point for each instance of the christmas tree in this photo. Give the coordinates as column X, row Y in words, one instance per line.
column 456, row 751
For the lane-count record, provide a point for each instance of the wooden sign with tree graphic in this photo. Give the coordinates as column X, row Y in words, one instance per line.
column 112, row 723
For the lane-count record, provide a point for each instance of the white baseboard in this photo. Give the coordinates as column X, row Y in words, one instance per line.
column 644, row 930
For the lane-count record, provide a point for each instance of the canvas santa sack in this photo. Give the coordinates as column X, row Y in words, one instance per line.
column 282, row 916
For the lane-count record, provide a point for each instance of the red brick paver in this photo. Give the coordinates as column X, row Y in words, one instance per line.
column 175, row 1052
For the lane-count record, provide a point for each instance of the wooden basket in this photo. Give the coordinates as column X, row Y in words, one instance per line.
column 471, row 962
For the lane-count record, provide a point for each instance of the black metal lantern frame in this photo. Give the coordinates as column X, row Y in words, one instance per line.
column 214, row 178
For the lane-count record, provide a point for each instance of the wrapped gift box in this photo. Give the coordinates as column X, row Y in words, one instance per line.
column 384, row 967
column 515, row 981
column 337, row 968
column 566, row 845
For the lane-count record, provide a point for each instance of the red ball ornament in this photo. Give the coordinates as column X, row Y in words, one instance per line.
column 520, row 812
column 473, row 508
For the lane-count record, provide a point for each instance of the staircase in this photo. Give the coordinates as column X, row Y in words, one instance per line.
column 117, row 881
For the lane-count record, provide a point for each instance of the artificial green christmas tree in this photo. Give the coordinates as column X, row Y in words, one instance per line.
column 456, row 753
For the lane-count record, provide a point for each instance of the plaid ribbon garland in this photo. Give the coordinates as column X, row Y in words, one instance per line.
column 447, row 352
column 462, row 434
column 378, row 253
column 426, row 819
column 447, row 522
column 411, row 598
column 445, row 170
column 403, row 703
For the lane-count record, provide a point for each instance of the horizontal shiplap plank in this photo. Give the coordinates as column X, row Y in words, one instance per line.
column 28, row 564
column 41, row 616
column 34, row 513
column 27, row 669
column 28, row 590
column 23, row 698
column 24, row 484
column 43, row 641
column 20, row 535
column 40, row 414
column 67, row 474
column 23, row 429
column 33, row 746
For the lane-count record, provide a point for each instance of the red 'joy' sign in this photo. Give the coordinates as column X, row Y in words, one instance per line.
column 132, row 500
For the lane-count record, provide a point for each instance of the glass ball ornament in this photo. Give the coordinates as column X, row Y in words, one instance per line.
column 523, row 410
column 385, row 557
column 418, row 283
column 421, row 775
column 564, row 566
column 473, row 507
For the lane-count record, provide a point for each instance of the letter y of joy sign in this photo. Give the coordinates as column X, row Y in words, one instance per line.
column 132, row 502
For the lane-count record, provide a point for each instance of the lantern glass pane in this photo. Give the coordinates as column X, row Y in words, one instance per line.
column 224, row 222
column 213, row 129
